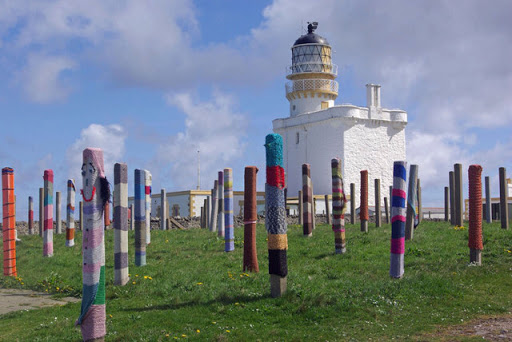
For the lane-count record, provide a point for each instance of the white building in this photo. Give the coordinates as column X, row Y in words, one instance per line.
column 365, row 138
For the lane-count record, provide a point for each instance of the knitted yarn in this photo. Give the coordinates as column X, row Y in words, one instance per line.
column 148, row 180
column 9, row 222
column 250, row 217
column 30, row 215
column 48, row 214
column 220, row 216
column 120, row 224
column 307, row 201
column 398, row 214
column 228, row 211
column 92, row 315
column 339, row 205
column 363, row 208
column 139, row 213
column 475, row 207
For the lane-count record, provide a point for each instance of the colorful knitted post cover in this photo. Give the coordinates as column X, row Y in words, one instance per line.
column 139, row 209
column 339, row 205
column 147, row 190
column 475, row 212
column 95, row 193
column 363, row 208
column 220, row 216
column 9, row 222
column 275, row 211
column 412, row 213
column 307, row 201
column 120, row 224
column 215, row 206
column 398, row 212
column 250, row 219
column 70, row 214
column 48, row 214
column 228, row 211
column 30, row 215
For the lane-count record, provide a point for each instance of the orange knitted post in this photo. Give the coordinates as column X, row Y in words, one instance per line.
column 475, row 214
column 9, row 222
column 250, row 219
column 363, row 208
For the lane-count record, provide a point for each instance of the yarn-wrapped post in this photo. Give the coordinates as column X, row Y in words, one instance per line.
column 488, row 212
column 163, row 210
column 228, row 211
column 352, row 203
column 250, row 219
column 363, row 208
column 378, row 213
column 147, row 191
column 398, row 212
column 120, row 224
column 410, row 222
column 48, row 214
column 58, row 221
column 70, row 214
column 95, row 193
column 8, row 222
column 30, row 215
column 220, row 194
column 503, row 198
column 475, row 214
column 307, row 201
column 41, row 211
column 139, row 212
column 215, row 206
column 339, row 205
column 275, row 215
column 451, row 183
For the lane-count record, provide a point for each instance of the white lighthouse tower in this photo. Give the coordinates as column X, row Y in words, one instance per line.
column 365, row 138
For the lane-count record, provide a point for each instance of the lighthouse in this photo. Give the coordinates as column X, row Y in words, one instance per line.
column 366, row 137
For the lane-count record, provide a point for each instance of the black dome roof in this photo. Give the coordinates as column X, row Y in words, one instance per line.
column 311, row 38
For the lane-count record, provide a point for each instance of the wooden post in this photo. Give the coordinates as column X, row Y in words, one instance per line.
column 451, row 184
column 352, row 203
column 503, row 198
column 41, row 211
column 328, row 210
column 420, row 209
column 378, row 214
column 163, row 211
column 411, row 210
column 132, row 217
column 58, row 221
column 458, row 195
column 300, row 207
column 386, row 209
column 363, row 207
column 488, row 204
column 30, row 215
column 446, row 202
column 81, row 215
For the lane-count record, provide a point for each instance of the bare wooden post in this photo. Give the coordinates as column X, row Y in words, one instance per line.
column 488, row 204
column 503, row 198
column 81, row 206
column 352, row 203
column 300, row 207
column 446, row 202
column 420, row 210
column 163, row 211
column 386, row 209
column 458, row 195
column 328, row 210
column 411, row 211
column 378, row 214
column 41, row 211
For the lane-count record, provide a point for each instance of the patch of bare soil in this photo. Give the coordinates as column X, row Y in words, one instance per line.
column 16, row 299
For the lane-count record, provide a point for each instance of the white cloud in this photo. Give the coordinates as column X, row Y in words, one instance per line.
column 111, row 139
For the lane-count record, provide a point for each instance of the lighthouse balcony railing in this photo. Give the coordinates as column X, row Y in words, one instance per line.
column 299, row 68
column 312, row 85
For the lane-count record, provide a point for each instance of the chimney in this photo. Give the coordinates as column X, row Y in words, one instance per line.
column 373, row 95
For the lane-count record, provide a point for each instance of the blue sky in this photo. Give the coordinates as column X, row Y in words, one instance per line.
column 152, row 82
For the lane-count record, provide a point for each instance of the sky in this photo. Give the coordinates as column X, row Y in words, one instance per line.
column 153, row 82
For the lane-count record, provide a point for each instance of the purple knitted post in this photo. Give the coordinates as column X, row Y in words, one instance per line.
column 398, row 214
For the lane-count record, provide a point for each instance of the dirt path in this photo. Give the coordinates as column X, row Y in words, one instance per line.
column 15, row 300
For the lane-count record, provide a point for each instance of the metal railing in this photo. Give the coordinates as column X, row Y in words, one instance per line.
column 312, row 67
column 312, row 84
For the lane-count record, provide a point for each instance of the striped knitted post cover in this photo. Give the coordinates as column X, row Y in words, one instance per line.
column 363, row 208
column 220, row 216
column 147, row 190
column 48, row 214
column 30, row 215
column 120, row 224
column 339, row 205
column 475, row 214
column 398, row 212
column 215, row 207
column 95, row 192
column 307, row 201
column 228, row 211
column 70, row 214
column 250, row 218
column 9, row 222
column 411, row 220
column 275, row 215
column 139, row 212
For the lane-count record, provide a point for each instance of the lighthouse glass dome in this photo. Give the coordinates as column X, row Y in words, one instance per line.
column 311, row 58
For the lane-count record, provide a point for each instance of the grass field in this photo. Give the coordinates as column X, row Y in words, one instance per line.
column 191, row 289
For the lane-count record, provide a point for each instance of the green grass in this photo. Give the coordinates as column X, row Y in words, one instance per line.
column 195, row 286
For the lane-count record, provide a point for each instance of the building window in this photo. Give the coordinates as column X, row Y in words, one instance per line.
column 325, row 105
column 297, row 138
column 293, row 107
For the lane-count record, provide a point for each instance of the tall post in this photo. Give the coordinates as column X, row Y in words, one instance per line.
column 275, row 218
column 488, row 204
column 41, row 211
column 81, row 215
column 363, row 208
column 30, row 215
column 92, row 318
column 503, row 198
column 339, row 205
column 205, row 212
column 352, row 203
column 328, row 210
column 208, row 206
column 70, row 214
column 229, row 239
column 58, row 223
column 147, row 188
column 398, row 212
column 220, row 195
column 120, row 224
column 163, row 210
column 48, row 214
column 420, row 209
column 411, row 222
column 215, row 207
column 446, row 203
column 451, row 184
column 8, row 222
column 139, row 209
column 201, row 218
column 132, row 217
column 299, row 209
column 475, row 214
column 458, row 195
column 250, row 262
column 106, row 215
column 307, row 201
column 386, row 209
column 378, row 213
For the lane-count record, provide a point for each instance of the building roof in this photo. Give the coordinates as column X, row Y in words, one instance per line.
column 311, row 38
